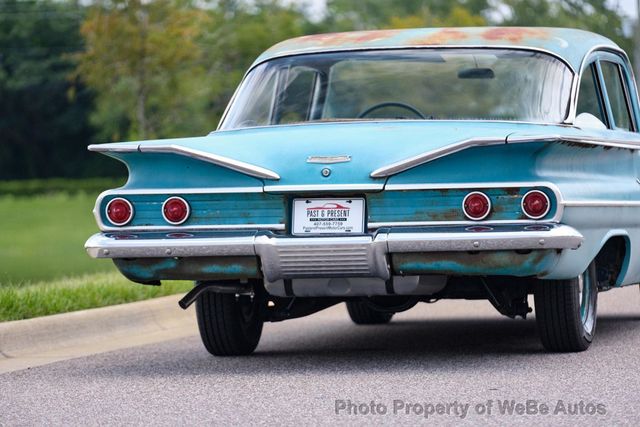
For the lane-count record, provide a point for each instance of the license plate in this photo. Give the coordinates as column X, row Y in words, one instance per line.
column 328, row 216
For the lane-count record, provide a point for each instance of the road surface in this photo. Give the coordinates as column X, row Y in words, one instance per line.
column 450, row 362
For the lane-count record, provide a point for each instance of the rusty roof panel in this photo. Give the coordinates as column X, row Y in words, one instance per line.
column 570, row 44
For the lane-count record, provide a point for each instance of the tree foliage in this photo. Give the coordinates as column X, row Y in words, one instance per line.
column 145, row 62
column 167, row 68
column 43, row 131
column 370, row 14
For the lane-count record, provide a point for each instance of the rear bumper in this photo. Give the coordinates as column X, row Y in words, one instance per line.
column 285, row 257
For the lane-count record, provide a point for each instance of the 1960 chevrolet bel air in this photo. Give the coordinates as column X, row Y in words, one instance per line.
column 387, row 168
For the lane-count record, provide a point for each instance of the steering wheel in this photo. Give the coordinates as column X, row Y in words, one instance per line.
column 411, row 108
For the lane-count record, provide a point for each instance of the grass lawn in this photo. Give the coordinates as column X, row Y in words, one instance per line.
column 44, row 268
column 42, row 237
column 77, row 293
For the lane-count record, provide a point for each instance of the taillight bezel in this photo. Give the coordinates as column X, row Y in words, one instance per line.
column 546, row 212
column 131, row 211
column 186, row 217
column 489, row 206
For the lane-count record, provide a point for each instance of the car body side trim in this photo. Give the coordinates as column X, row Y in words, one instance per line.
column 602, row 203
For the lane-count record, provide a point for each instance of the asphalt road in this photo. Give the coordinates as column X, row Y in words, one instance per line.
column 451, row 353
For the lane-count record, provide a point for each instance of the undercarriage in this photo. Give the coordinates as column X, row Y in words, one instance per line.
column 507, row 294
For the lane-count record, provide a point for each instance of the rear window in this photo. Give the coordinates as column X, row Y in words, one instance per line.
column 423, row 84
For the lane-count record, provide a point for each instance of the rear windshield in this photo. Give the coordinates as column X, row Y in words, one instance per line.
column 410, row 84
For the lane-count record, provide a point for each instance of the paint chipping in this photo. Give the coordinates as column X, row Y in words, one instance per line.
column 336, row 39
column 513, row 34
column 193, row 268
column 481, row 263
column 442, row 37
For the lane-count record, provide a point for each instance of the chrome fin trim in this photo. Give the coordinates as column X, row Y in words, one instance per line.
column 429, row 156
column 236, row 165
column 114, row 148
column 411, row 162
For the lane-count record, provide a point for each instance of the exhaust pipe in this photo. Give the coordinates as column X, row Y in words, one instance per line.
column 223, row 288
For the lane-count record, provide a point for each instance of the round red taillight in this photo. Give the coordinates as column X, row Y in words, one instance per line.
column 175, row 210
column 119, row 211
column 476, row 206
column 535, row 204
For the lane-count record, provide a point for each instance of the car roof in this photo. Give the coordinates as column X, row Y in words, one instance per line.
column 572, row 45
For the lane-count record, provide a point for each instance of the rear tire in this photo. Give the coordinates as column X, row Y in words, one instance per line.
column 229, row 325
column 566, row 311
column 362, row 314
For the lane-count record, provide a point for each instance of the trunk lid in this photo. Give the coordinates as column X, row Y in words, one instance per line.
column 298, row 154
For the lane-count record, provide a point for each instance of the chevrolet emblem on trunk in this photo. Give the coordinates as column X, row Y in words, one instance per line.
column 328, row 160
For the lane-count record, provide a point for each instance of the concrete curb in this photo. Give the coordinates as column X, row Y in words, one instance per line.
column 26, row 343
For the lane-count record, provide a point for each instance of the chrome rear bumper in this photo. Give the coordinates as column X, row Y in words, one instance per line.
column 284, row 257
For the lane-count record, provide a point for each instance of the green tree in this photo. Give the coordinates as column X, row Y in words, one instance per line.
column 168, row 68
column 599, row 16
column 43, row 129
column 458, row 16
column 372, row 14
column 146, row 65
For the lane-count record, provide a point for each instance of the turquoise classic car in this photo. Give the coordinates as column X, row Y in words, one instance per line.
column 387, row 168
